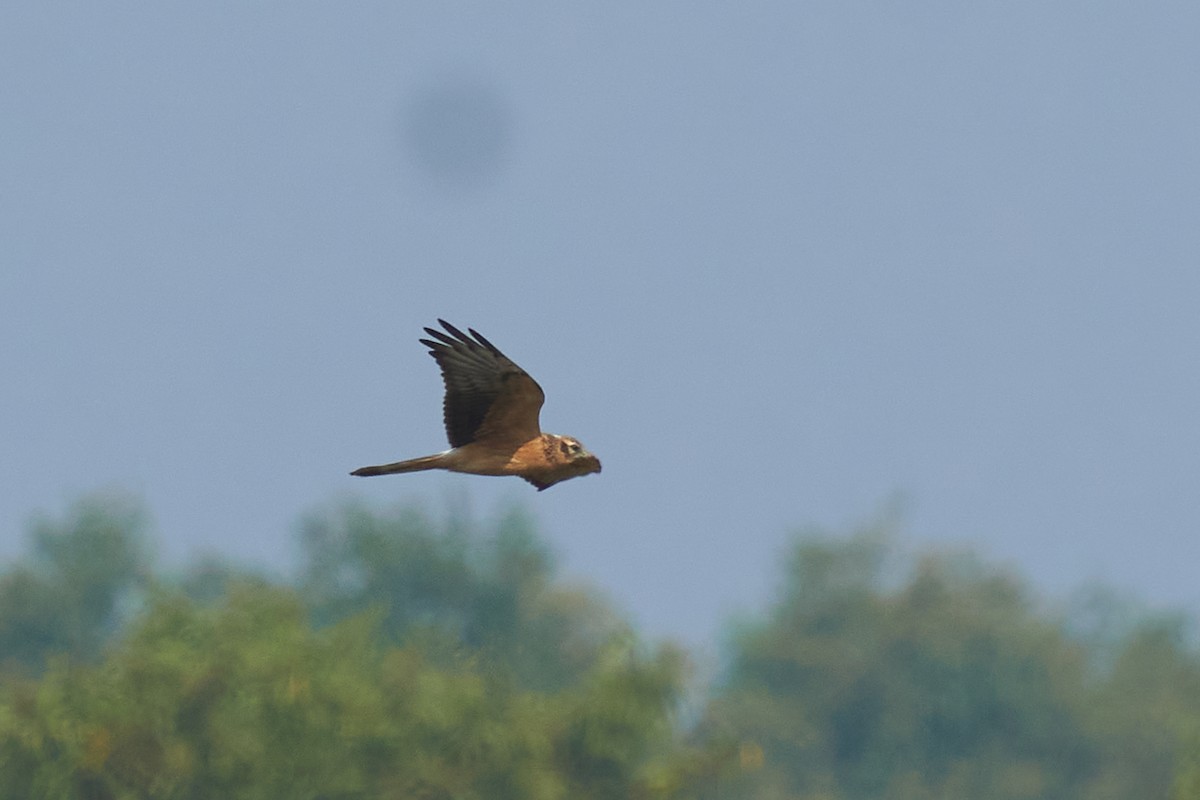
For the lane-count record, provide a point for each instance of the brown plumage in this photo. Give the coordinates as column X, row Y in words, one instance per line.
column 491, row 416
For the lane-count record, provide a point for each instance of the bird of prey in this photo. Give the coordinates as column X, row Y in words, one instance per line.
column 491, row 415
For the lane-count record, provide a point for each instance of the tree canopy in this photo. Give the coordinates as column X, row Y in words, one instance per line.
column 945, row 678
column 414, row 658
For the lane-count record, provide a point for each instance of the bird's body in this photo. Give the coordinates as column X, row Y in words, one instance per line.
column 491, row 414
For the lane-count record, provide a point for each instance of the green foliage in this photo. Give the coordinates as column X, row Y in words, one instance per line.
column 84, row 576
column 1187, row 776
column 410, row 664
column 942, row 682
column 247, row 700
column 494, row 594
column 416, row 660
column 1146, row 709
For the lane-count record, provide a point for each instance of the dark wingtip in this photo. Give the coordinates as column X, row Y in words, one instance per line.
column 483, row 341
column 456, row 337
column 443, row 341
column 454, row 331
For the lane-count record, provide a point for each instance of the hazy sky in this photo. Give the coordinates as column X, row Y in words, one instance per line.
column 775, row 263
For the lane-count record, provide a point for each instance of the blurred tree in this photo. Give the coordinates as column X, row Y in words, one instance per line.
column 82, row 581
column 246, row 699
column 1187, row 774
column 494, row 595
column 1145, row 709
column 209, row 578
column 943, row 680
column 422, row 661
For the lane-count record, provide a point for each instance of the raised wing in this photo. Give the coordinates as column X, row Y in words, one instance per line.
column 488, row 397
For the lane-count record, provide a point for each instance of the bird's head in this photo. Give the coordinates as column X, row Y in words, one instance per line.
column 577, row 456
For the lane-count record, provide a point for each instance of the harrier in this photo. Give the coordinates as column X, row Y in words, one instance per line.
column 491, row 415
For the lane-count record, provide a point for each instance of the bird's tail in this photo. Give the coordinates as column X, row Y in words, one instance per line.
column 411, row 465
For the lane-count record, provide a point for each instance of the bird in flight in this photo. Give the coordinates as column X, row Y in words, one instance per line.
column 491, row 415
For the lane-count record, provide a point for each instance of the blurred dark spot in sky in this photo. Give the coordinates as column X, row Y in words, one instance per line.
column 459, row 130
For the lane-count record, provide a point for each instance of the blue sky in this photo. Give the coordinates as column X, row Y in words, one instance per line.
column 775, row 263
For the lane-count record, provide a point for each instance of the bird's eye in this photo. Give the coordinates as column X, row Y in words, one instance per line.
column 573, row 447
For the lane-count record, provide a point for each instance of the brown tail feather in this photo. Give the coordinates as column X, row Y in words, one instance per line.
column 411, row 465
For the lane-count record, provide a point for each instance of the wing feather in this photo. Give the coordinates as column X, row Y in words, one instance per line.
column 488, row 397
